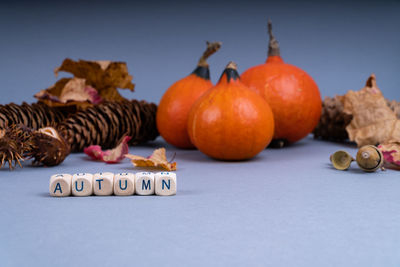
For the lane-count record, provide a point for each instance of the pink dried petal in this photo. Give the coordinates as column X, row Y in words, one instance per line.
column 114, row 155
column 391, row 153
column 94, row 152
column 94, row 96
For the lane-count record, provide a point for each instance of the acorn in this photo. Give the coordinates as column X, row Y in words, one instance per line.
column 369, row 158
column 341, row 160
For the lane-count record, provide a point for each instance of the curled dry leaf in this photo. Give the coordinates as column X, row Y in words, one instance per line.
column 71, row 91
column 114, row 155
column 93, row 82
column 157, row 159
column 373, row 121
column 391, row 154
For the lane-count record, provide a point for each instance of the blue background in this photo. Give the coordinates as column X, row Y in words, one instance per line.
column 339, row 43
column 285, row 207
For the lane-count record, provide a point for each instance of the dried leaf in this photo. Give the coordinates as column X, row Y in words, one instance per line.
column 373, row 121
column 93, row 80
column 114, row 155
column 391, row 153
column 157, row 159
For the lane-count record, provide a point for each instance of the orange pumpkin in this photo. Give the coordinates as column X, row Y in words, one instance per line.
column 292, row 94
column 173, row 110
column 230, row 122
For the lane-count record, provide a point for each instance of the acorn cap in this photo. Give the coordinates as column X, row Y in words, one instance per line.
column 369, row 158
column 341, row 160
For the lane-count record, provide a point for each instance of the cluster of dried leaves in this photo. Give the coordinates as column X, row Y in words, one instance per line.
column 374, row 122
column 93, row 82
column 368, row 118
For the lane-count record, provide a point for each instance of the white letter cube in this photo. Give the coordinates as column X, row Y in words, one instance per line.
column 165, row 183
column 82, row 184
column 60, row 185
column 124, row 184
column 144, row 183
column 103, row 183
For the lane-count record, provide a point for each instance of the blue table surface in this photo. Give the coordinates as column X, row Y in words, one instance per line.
column 285, row 207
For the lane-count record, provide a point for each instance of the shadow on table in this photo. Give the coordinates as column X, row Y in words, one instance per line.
column 354, row 169
column 184, row 193
column 44, row 194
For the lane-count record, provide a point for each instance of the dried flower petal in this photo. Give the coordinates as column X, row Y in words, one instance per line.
column 373, row 121
column 114, row 155
column 391, row 153
column 157, row 159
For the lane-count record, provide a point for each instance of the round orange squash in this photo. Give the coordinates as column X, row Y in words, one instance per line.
column 173, row 110
column 292, row 94
column 230, row 122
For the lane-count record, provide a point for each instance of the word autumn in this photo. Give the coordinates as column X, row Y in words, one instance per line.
column 107, row 183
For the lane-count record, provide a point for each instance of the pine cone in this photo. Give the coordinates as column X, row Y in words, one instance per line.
column 105, row 124
column 333, row 121
column 33, row 116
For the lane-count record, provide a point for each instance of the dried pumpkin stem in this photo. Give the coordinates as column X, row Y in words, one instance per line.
column 231, row 65
column 273, row 47
column 371, row 82
column 211, row 49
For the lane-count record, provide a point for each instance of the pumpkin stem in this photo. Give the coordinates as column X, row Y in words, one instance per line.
column 231, row 65
column 230, row 72
column 211, row 49
column 273, row 47
column 371, row 82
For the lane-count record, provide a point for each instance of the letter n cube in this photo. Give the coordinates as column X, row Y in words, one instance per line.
column 165, row 183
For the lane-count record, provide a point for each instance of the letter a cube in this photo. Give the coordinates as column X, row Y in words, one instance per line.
column 144, row 183
column 103, row 183
column 82, row 184
column 165, row 183
column 60, row 185
column 124, row 184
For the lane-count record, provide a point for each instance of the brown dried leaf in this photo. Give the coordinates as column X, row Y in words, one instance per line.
column 157, row 159
column 373, row 121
